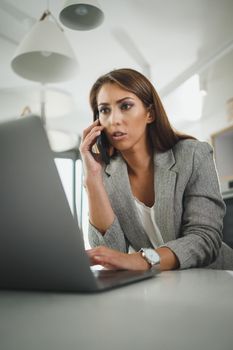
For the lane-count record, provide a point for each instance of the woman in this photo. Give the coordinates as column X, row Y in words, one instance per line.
column 157, row 202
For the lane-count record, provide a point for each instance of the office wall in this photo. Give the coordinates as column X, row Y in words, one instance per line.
column 219, row 84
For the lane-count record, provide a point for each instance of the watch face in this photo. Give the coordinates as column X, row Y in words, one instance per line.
column 152, row 256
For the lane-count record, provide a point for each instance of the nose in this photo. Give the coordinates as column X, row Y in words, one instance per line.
column 115, row 117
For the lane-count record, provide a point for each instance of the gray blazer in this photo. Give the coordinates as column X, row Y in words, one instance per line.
column 189, row 209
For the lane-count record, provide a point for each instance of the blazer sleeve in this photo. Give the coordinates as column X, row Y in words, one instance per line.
column 203, row 211
column 113, row 238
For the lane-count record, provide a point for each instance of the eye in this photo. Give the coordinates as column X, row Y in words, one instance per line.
column 126, row 105
column 104, row 110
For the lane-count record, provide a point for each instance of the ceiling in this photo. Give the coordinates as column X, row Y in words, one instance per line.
column 168, row 40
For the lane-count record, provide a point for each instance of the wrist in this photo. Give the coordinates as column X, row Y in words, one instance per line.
column 151, row 256
column 93, row 181
column 144, row 265
column 168, row 259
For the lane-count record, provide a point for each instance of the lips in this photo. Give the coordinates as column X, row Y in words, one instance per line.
column 118, row 135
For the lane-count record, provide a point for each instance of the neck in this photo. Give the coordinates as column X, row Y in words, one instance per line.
column 138, row 162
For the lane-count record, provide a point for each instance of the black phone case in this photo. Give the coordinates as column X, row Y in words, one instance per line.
column 102, row 144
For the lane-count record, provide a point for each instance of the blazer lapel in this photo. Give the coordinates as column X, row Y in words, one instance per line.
column 122, row 200
column 164, row 184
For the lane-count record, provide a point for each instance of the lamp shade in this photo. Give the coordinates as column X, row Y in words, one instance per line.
column 81, row 15
column 45, row 55
column 61, row 141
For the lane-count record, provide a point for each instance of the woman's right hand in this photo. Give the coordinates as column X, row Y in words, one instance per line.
column 91, row 163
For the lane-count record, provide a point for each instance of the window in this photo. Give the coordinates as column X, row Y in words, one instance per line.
column 82, row 203
column 64, row 167
column 70, row 172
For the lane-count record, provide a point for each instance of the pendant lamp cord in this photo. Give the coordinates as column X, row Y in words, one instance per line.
column 47, row 13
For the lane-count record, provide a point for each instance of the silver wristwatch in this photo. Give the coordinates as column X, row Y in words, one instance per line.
column 150, row 256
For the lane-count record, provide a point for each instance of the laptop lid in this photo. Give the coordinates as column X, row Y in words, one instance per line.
column 40, row 243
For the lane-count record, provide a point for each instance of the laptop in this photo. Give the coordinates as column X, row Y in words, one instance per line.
column 41, row 245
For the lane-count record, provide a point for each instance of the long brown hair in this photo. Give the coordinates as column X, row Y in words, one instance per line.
column 161, row 134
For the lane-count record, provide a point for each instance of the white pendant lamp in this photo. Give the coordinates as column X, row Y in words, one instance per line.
column 45, row 54
column 61, row 141
column 81, row 15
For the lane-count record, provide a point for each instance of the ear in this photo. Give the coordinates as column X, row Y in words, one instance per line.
column 150, row 117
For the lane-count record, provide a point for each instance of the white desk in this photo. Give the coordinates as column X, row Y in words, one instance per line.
column 183, row 310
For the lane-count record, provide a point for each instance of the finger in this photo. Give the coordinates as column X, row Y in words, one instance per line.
column 107, row 261
column 101, row 260
column 101, row 250
column 93, row 252
column 104, row 254
column 96, row 128
column 89, row 141
column 92, row 135
column 87, row 130
column 92, row 259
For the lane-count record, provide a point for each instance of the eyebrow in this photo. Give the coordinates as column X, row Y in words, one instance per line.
column 118, row 101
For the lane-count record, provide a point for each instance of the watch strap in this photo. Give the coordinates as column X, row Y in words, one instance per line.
column 149, row 261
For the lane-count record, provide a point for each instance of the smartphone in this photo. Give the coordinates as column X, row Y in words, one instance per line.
column 103, row 145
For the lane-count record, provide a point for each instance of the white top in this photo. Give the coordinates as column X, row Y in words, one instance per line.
column 146, row 215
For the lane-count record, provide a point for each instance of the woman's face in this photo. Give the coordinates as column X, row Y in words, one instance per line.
column 124, row 117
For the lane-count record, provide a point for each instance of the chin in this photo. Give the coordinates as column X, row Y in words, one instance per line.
column 123, row 148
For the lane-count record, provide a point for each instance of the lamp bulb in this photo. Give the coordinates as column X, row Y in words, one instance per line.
column 46, row 53
column 203, row 92
column 81, row 10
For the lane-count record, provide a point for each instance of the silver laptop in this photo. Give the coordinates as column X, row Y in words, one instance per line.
column 41, row 246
